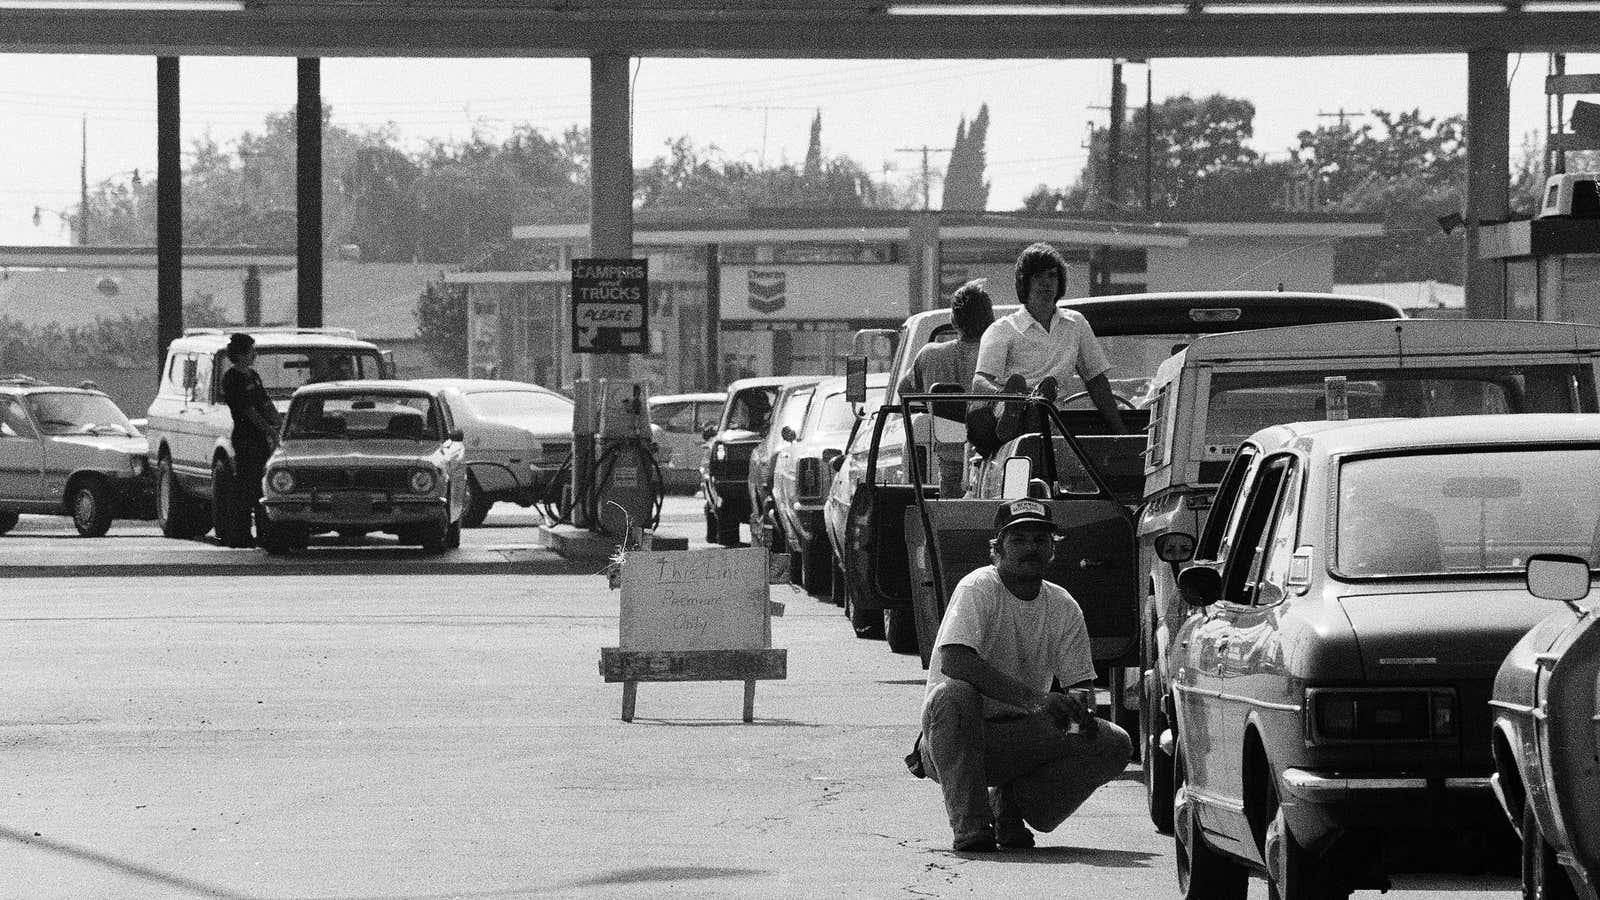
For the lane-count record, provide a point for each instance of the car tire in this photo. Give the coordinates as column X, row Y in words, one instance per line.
column 92, row 507
column 8, row 520
column 274, row 538
column 1293, row 872
column 224, row 501
column 867, row 623
column 1542, row 876
column 1158, row 787
column 1119, row 714
column 1203, row 872
column 477, row 506
column 816, row 567
column 727, row 529
column 836, row 594
column 711, row 525
column 900, row 629
column 434, row 538
column 452, row 536
column 178, row 514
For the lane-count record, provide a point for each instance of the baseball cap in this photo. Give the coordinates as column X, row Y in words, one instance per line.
column 1023, row 512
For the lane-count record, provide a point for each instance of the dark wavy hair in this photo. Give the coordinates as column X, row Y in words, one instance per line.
column 1036, row 258
column 971, row 309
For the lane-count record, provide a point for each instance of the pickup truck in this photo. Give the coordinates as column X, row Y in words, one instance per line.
column 1206, row 399
column 866, row 505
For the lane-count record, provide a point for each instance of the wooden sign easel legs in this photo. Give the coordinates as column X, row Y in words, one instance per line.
column 633, row 666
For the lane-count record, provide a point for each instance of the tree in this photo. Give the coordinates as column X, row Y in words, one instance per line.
column 813, row 167
column 441, row 316
column 687, row 177
column 1344, row 160
column 964, row 187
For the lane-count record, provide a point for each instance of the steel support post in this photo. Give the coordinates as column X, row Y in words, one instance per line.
column 1488, row 176
column 169, row 210
column 308, row 193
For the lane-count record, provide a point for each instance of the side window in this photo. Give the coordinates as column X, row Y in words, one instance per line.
column 1155, row 451
column 1281, row 542
column 1224, row 505
column 172, row 379
column 1248, row 543
column 204, row 390
column 14, row 420
column 794, row 410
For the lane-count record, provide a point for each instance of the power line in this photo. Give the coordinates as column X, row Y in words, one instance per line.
column 926, row 151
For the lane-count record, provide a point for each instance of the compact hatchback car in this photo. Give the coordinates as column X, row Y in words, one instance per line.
column 68, row 451
column 1358, row 586
column 361, row 457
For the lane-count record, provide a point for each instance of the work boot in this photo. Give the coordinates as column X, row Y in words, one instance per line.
column 1009, row 423
column 1010, row 831
column 981, row 841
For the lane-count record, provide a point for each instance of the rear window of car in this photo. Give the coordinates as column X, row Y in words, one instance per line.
column 1242, row 403
column 365, row 417
column 751, row 409
column 1472, row 511
column 284, row 369
column 519, row 404
column 675, row 418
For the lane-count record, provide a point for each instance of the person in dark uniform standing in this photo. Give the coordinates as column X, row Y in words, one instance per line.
column 255, row 434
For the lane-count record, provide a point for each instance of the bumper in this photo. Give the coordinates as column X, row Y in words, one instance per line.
column 1321, row 805
column 371, row 511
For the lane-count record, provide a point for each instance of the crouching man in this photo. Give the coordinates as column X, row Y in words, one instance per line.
column 1007, row 750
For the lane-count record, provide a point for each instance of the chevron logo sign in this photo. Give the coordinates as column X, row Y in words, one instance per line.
column 766, row 291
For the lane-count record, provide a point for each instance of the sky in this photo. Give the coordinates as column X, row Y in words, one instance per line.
column 756, row 110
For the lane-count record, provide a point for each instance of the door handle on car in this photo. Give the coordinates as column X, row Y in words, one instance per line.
column 1094, row 563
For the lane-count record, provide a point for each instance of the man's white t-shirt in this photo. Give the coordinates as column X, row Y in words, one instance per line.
column 1030, row 640
column 1016, row 344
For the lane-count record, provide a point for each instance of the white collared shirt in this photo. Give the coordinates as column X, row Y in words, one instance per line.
column 1016, row 344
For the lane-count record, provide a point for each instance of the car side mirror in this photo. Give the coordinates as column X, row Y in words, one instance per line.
column 708, row 432
column 1200, row 586
column 1015, row 474
column 855, row 379
column 1557, row 577
column 1175, row 547
column 837, row 462
column 788, row 434
column 458, row 435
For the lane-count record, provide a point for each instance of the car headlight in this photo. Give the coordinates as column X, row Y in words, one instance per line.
column 421, row 481
column 281, row 480
column 721, row 453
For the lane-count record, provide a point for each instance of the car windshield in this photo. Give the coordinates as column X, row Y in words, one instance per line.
column 69, row 413
column 839, row 415
column 751, row 409
column 1241, row 404
column 1474, row 511
column 520, row 405
column 283, row 370
column 365, row 416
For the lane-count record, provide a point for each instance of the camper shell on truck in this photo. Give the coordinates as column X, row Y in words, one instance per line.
column 1209, row 397
column 865, row 510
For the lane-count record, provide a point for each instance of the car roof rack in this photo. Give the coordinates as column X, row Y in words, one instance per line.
column 281, row 329
column 20, row 380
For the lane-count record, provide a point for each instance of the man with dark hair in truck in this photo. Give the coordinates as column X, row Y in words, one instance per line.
column 1039, row 345
column 953, row 363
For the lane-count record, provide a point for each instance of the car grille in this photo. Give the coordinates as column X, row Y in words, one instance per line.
column 735, row 465
column 385, row 479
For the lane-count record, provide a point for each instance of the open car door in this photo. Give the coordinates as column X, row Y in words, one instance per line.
column 1095, row 560
column 876, row 567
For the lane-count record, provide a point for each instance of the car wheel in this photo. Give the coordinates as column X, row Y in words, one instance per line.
column 727, row 529
column 900, row 628
column 868, row 623
column 711, row 525
column 816, row 567
column 434, row 538
column 452, row 536
column 1542, row 877
column 1120, row 715
column 272, row 537
column 178, row 514
column 1293, row 872
column 224, row 512
column 1203, row 873
column 8, row 520
column 477, row 506
column 839, row 586
column 1157, row 764
column 92, row 507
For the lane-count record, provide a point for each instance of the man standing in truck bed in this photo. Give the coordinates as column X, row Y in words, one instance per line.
column 1039, row 345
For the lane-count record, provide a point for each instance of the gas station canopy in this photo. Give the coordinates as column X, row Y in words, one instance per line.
column 795, row 28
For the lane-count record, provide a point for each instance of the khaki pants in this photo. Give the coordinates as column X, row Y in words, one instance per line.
column 1051, row 772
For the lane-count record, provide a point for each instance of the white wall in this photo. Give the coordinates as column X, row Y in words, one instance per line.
column 1243, row 263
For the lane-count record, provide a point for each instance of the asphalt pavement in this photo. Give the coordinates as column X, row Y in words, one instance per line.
column 366, row 722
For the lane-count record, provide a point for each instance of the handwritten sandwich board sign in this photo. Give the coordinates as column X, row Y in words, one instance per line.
column 694, row 615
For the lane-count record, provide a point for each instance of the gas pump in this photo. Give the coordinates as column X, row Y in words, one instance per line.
column 616, row 481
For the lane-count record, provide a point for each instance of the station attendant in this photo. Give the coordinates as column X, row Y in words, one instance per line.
column 255, row 433
column 1040, row 345
column 1007, row 747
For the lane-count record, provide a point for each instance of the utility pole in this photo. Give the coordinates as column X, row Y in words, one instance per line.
column 766, row 112
column 83, row 187
column 1119, row 103
column 1341, row 115
column 927, row 177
